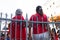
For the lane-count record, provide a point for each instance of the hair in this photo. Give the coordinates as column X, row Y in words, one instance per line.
column 53, row 29
column 18, row 11
column 37, row 8
column 58, row 31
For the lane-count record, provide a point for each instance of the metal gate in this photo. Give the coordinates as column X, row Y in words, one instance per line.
column 29, row 34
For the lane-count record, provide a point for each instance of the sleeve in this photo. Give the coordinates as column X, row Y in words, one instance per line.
column 47, row 24
column 23, row 22
column 32, row 18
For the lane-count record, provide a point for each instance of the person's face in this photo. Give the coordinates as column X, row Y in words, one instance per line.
column 40, row 11
column 18, row 13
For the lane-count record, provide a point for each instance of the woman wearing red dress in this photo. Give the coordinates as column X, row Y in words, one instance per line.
column 54, row 35
column 17, row 29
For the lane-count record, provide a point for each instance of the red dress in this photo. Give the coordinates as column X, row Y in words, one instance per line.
column 39, row 29
column 18, row 31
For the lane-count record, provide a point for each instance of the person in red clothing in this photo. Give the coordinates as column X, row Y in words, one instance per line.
column 17, row 29
column 58, row 33
column 54, row 35
column 40, row 30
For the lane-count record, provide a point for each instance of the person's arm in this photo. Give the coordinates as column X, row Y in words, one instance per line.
column 29, row 35
column 30, row 25
column 48, row 26
column 11, row 28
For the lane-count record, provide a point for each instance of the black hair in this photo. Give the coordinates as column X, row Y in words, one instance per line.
column 53, row 29
column 37, row 8
column 58, row 31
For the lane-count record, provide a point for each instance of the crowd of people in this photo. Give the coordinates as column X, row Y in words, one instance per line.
column 41, row 31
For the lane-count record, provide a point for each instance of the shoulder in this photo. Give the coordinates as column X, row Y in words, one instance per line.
column 44, row 15
column 33, row 15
